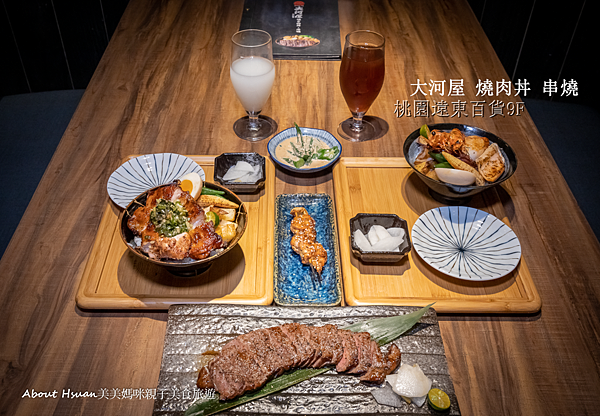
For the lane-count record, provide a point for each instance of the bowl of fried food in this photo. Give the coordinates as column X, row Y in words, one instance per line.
column 169, row 227
column 457, row 161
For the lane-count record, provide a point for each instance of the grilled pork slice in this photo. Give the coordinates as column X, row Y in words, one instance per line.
column 158, row 247
column 250, row 360
column 204, row 240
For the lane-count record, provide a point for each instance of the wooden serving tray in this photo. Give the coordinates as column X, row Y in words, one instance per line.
column 389, row 186
column 115, row 279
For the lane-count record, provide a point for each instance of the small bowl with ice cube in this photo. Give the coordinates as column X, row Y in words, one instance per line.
column 240, row 172
column 379, row 238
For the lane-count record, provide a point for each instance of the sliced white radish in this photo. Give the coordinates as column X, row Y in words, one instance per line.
column 372, row 236
column 242, row 171
column 411, row 383
column 396, row 232
column 361, row 241
column 381, row 231
column 455, row 176
column 388, row 244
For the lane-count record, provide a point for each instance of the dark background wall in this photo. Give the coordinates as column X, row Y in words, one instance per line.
column 539, row 40
column 56, row 44
column 48, row 45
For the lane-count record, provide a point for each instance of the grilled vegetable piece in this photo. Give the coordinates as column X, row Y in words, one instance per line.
column 217, row 201
column 459, row 164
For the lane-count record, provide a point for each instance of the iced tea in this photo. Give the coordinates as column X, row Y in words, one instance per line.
column 361, row 75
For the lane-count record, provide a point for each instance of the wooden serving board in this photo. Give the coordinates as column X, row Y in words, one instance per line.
column 389, row 186
column 115, row 279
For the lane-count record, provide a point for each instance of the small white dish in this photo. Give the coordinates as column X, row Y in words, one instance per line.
column 145, row 172
column 322, row 135
column 466, row 243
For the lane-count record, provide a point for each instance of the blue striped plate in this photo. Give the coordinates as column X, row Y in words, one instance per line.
column 148, row 171
column 466, row 243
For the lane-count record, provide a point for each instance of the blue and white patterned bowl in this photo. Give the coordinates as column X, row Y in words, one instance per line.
column 322, row 135
column 466, row 243
column 146, row 172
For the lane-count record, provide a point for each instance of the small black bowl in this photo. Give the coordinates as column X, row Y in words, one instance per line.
column 226, row 160
column 364, row 222
column 455, row 194
column 187, row 267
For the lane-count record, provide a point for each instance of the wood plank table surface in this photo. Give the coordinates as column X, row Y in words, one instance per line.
column 163, row 86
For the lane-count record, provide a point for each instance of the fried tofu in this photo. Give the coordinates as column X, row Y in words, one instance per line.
column 475, row 146
column 491, row 163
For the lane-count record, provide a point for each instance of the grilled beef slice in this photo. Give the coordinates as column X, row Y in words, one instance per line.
column 250, row 360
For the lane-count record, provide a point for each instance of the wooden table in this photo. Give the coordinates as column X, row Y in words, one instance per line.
column 163, row 86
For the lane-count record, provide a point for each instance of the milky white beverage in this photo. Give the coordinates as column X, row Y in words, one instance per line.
column 252, row 78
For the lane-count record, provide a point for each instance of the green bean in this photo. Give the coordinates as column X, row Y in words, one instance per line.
column 438, row 157
column 443, row 165
column 208, row 191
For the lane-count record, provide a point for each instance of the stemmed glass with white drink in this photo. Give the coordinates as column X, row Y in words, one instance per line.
column 252, row 74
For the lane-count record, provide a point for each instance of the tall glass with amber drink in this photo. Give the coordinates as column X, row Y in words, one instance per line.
column 361, row 76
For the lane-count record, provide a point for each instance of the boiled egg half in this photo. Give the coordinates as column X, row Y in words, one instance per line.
column 192, row 183
column 455, row 176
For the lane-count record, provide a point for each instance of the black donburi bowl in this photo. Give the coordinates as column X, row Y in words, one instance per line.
column 187, row 267
column 454, row 194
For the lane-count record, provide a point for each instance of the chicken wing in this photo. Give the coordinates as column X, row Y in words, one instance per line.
column 304, row 240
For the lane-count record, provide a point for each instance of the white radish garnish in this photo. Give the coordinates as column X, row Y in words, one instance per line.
column 379, row 239
column 382, row 233
column 410, row 383
column 388, row 244
column 372, row 236
column 455, row 176
column 361, row 241
column 396, row 232
column 242, row 171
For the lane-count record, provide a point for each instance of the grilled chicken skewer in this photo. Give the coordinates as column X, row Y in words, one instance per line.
column 304, row 240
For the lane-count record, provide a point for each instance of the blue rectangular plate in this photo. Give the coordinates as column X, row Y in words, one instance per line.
column 293, row 285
